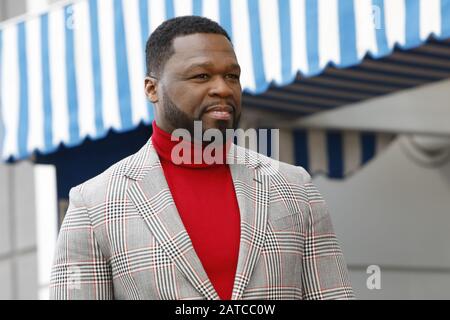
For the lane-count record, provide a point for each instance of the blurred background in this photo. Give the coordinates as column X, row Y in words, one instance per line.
column 360, row 90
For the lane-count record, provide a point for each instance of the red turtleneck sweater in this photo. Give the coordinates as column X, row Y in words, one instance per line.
column 206, row 201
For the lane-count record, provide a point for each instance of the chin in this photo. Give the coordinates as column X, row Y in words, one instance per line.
column 224, row 126
column 218, row 124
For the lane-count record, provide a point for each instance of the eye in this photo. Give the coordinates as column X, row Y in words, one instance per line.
column 233, row 76
column 201, row 76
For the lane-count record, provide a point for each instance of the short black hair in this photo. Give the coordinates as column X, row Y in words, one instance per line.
column 159, row 46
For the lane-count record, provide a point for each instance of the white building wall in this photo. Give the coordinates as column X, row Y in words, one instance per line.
column 395, row 214
column 18, row 251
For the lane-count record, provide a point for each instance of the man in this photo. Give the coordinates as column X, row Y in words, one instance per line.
column 152, row 228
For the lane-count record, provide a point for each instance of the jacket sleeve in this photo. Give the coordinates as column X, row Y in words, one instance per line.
column 80, row 271
column 324, row 271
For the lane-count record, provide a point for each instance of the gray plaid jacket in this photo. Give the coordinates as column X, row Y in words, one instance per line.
column 122, row 237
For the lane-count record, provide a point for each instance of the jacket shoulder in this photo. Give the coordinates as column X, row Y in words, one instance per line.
column 93, row 191
column 294, row 174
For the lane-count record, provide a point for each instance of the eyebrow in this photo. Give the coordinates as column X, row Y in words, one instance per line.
column 207, row 65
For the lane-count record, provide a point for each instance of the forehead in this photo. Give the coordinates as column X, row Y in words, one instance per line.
column 201, row 48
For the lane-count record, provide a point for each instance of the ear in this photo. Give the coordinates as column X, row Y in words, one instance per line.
column 151, row 89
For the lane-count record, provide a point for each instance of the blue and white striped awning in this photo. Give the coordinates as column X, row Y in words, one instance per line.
column 77, row 70
column 337, row 154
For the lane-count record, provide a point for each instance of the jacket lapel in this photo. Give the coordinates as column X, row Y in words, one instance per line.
column 252, row 192
column 152, row 198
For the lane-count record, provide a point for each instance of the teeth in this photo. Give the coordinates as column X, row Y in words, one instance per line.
column 220, row 114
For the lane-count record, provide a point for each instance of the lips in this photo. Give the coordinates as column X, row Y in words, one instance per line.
column 220, row 112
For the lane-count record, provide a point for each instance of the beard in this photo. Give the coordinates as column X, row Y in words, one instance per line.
column 180, row 119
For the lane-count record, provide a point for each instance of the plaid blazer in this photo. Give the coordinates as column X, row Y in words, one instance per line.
column 122, row 237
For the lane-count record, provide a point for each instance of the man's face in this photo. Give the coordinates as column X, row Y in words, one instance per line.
column 200, row 81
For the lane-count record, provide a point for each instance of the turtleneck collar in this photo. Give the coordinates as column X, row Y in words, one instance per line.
column 162, row 141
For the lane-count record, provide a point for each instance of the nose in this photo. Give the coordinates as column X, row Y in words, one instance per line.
column 220, row 88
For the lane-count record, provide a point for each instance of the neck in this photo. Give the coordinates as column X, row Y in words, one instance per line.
column 186, row 153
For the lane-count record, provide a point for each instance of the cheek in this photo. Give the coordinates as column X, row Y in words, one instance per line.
column 238, row 97
column 186, row 98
